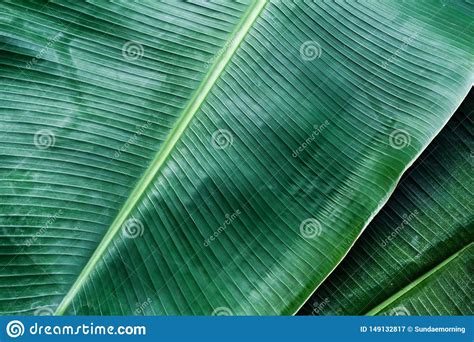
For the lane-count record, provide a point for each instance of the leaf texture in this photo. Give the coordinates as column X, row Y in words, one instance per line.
column 89, row 93
column 443, row 291
column 276, row 154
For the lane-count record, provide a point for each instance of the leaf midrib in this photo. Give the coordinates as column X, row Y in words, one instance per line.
column 172, row 139
column 416, row 282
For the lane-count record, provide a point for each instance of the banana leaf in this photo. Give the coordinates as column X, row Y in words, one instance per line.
column 428, row 219
column 208, row 157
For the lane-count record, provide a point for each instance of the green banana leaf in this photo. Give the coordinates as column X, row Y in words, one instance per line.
column 428, row 219
column 208, row 157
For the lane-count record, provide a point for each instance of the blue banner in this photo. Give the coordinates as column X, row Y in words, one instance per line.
column 308, row 328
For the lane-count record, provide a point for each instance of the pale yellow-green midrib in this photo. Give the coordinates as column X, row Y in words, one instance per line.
column 188, row 113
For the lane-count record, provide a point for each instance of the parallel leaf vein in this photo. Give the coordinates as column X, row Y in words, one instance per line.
column 174, row 136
